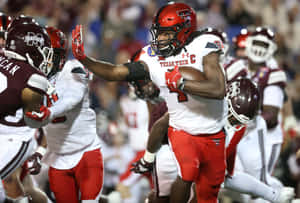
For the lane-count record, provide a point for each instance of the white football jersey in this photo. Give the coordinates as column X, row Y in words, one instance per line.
column 23, row 133
column 76, row 129
column 136, row 115
column 192, row 114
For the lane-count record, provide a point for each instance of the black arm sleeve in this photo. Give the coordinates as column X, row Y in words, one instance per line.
column 137, row 71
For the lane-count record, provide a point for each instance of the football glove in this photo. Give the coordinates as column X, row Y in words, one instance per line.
column 173, row 78
column 41, row 116
column 77, row 43
column 142, row 166
column 34, row 161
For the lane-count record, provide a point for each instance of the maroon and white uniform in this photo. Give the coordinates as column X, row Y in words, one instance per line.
column 270, row 82
column 16, row 75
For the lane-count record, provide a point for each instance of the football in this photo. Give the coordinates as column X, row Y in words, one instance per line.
column 191, row 73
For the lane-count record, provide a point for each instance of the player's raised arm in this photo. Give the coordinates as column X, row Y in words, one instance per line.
column 105, row 70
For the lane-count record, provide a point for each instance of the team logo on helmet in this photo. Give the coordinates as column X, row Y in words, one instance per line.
column 33, row 39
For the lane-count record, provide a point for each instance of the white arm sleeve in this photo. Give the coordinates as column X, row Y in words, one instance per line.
column 273, row 96
column 74, row 91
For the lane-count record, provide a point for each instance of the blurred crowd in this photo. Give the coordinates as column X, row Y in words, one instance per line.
column 116, row 29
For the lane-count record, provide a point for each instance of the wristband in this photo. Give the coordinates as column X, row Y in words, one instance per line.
column 149, row 157
column 41, row 150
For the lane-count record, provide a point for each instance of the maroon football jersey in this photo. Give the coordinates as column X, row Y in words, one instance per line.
column 15, row 75
column 158, row 111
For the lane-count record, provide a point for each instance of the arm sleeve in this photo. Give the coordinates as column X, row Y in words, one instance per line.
column 273, row 96
column 75, row 88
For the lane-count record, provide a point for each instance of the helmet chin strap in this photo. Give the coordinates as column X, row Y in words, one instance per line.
column 29, row 60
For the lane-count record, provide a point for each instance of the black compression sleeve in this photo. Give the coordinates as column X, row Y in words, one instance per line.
column 137, row 71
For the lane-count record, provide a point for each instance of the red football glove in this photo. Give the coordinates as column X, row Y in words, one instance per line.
column 173, row 78
column 77, row 43
column 43, row 115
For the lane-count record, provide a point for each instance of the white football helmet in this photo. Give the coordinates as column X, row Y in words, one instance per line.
column 260, row 45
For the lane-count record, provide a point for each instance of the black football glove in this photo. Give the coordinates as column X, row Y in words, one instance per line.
column 142, row 166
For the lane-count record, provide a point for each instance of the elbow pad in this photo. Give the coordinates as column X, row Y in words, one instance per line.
column 137, row 71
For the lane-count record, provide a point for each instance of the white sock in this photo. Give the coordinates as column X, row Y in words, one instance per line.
column 244, row 183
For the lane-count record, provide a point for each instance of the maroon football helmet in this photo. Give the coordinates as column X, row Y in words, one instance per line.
column 31, row 43
column 59, row 44
column 243, row 100
column 177, row 17
column 21, row 19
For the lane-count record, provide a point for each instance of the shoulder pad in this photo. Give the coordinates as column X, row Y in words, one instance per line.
column 234, row 69
column 73, row 67
column 193, row 36
column 38, row 82
column 78, row 70
column 277, row 77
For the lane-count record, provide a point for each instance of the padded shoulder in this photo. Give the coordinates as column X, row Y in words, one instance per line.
column 234, row 69
column 277, row 76
column 38, row 82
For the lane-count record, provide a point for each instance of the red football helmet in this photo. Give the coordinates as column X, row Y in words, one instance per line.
column 31, row 43
column 260, row 45
column 243, row 100
column 177, row 17
column 59, row 44
column 239, row 41
column 5, row 20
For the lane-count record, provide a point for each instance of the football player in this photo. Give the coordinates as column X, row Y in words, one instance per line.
column 176, row 43
column 73, row 147
column 271, row 81
column 22, row 85
column 243, row 99
column 25, row 62
column 136, row 116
